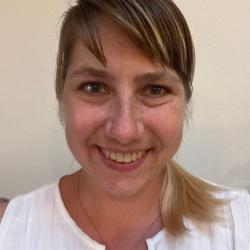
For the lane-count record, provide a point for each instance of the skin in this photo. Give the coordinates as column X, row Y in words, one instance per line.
column 3, row 206
column 126, row 111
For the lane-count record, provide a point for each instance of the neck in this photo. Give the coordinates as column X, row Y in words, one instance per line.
column 116, row 223
column 107, row 207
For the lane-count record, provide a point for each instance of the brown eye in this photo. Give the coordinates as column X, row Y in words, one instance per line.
column 156, row 91
column 93, row 88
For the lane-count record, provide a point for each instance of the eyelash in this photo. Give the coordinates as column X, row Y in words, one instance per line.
column 165, row 90
column 101, row 88
column 83, row 87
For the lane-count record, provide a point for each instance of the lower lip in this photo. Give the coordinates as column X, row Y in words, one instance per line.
column 122, row 167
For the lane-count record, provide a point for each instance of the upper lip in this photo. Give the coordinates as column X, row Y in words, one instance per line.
column 123, row 151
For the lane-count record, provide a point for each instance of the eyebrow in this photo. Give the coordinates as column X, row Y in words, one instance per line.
column 87, row 70
column 146, row 77
column 158, row 75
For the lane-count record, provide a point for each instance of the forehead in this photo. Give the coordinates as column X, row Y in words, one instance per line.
column 113, row 36
column 123, row 57
column 116, row 44
column 114, row 41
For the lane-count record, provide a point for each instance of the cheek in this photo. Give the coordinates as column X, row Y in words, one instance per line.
column 166, row 123
column 81, row 122
column 74, row 119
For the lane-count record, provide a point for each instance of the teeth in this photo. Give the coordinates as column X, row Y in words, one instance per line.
column 119, row 157
column 134, row 157
column 127, row 158
column 112, row 156
column 107, row 154
column 139, row 154
column 123, row 158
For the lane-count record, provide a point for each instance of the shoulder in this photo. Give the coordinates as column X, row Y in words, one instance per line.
column 237, row 210
column 237, row 199
column 239, row 203
column 20, row 206
column 234, row 196
column 40, row 195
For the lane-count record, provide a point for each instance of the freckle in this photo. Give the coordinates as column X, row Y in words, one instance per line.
column 175, row 109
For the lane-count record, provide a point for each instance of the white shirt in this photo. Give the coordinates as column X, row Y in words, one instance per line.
column 40, row 221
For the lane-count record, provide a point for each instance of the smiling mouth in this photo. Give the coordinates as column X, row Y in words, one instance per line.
column 123, row 157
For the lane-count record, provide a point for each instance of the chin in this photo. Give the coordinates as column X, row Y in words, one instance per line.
column 124, row 189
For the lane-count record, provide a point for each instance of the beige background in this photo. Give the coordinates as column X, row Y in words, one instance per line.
column 32, row 145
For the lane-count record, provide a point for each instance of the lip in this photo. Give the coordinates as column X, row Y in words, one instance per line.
column 121, row 167
column 116, row 150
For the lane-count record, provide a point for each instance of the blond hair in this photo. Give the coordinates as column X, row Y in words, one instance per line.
column 186, row 196
column 160, row 30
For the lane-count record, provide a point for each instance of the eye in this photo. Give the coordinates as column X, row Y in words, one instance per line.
column 156, row 90
column 93, row 88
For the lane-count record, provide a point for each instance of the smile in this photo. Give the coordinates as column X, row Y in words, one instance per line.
column 123, row 157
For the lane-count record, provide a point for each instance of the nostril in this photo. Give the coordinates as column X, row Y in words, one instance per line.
column 124, row 129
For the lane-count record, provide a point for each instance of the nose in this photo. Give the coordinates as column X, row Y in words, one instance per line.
column 124, row 124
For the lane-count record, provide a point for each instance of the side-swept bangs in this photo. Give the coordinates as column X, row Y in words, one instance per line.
column 157, row 27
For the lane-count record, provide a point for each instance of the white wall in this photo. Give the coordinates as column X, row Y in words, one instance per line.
column 32, row 146
column 217, row 145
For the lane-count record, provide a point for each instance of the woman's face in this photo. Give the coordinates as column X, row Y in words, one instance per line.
column 123, row 121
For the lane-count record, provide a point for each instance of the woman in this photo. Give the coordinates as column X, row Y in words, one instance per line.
column 124, row 81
